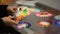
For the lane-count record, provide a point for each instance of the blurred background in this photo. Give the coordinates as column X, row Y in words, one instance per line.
column 52, row 6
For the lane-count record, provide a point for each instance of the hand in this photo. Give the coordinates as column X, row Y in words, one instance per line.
column 12, row 9
column 8, row 21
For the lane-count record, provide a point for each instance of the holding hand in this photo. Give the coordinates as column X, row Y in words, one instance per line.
column 8, row 20
column 11, row 9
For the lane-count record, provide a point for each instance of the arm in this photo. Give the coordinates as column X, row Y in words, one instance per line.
column 3, row 13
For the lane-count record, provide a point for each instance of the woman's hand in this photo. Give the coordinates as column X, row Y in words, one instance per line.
column 11, row 9
column 8, row 21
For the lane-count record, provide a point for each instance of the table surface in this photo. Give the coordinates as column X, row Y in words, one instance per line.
column 32, row 19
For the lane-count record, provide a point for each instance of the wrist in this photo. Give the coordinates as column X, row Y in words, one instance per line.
column 3, row 20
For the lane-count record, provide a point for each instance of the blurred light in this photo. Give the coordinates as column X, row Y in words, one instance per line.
column 43, row 14
column 23, row 25
column 43, row 23
column 57, row 17
column 57, row 22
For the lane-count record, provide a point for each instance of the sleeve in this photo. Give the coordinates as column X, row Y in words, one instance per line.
column 1, row 22
column 3, row 11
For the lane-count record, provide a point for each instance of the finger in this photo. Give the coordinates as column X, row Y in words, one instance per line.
column 14, row 9
column 11, row 16
column 14, row 22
